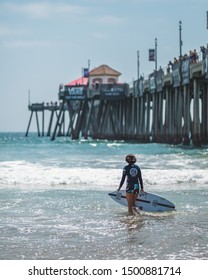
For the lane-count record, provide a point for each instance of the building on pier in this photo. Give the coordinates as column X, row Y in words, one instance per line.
column 87, row 103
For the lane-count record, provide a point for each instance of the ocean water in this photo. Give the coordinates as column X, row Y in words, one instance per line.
column 54, row 201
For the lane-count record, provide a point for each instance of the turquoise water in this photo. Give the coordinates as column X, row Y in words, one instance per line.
column 54, row 201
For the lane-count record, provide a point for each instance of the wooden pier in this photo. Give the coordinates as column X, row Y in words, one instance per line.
column 165, row 108
column 40, row 108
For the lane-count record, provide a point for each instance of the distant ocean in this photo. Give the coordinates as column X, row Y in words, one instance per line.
column 54, row 201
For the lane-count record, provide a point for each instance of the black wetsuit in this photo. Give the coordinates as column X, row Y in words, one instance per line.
column 134, row 178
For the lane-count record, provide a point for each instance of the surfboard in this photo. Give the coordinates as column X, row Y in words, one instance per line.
column 145, row 201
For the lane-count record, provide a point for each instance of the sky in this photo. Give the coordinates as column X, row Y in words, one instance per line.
column 46, row 43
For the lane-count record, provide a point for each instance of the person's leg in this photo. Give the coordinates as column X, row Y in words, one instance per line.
column 130, row 200
column 134, row 207
column 135, row 195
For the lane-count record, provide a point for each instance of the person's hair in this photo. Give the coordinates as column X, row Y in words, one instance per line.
column 130, row 158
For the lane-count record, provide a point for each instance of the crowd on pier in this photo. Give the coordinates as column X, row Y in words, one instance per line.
column 193, row 57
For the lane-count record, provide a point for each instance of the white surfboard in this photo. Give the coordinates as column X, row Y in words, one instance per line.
column 145, row 201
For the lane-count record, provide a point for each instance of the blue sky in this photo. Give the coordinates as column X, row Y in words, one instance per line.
column 45, row 43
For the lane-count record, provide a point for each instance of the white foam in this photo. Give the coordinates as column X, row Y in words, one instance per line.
column 22, row 174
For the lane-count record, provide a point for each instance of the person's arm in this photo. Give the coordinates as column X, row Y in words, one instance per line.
column 122, row 180
column 140, row 180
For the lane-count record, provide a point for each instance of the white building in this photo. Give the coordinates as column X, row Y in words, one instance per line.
column 103, row 75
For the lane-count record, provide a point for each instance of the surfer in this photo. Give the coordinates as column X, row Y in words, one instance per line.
column 134, row 181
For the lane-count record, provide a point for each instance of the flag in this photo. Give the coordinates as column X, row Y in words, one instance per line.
column 151, row 54
column 86, row 72
column 207, row 19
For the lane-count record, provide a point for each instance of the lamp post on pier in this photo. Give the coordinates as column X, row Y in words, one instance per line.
column 180, row 40
column 156, row 54
column 138, row 66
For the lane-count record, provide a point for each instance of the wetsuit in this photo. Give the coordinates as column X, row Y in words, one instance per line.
column 134, row 178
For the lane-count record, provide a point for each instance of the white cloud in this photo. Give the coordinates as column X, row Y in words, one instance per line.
column 110, row 20
column 44, row 10
column 100, row 35
column 6, row 30
column 25, row 44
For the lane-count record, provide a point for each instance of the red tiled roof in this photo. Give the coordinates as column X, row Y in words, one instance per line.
column 81, row 81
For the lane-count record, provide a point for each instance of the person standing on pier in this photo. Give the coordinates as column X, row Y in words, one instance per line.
column 134, row 182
